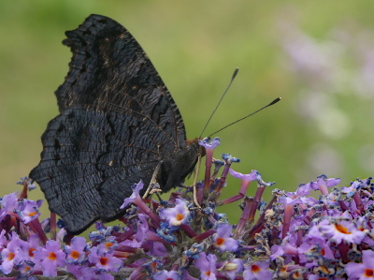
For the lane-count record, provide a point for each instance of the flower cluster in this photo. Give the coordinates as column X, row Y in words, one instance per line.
column 294, row 236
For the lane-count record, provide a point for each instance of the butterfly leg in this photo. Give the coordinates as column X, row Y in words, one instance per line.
column 195, row 195
column 153, row 186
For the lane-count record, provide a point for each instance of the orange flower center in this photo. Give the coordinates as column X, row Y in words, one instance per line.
column 369, row 272
column 342, row 229
column 180, row 217
column 75, row 254
column 11, row 256
column 32, row 214
column 31, row 252
column 52, row 256
column 104, row 261
column 154, row 265
column 220, row 241
column 256, row 268
column 109, row 244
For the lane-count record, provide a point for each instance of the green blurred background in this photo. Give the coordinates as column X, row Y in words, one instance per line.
column 317, row 55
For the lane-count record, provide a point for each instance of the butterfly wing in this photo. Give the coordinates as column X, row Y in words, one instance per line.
column 117, row 122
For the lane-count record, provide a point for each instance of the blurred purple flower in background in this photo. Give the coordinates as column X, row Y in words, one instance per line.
column 332, row 73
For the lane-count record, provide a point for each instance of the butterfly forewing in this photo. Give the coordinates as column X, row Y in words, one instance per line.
column 117, row 122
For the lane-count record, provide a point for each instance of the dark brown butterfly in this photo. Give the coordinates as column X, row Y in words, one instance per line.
column 117, row 123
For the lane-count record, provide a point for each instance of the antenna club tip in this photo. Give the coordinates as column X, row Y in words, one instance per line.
column 275, row 101
column 236, row 71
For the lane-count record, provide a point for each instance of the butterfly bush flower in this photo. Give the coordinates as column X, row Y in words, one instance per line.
column 104, row 260
column 9, row 203
column 209, row 146
column 51, row 257
column 338, row 230
column 233, row 268
column 177, row 215
column 207, row 265
column 167, row 275
column 27, row 183
column 322, row 230
column 28, row 210
column 137, row 199
column 223, row 240
column 14, row 254
column 258, row 271
column 76, row 251
column 363, row 270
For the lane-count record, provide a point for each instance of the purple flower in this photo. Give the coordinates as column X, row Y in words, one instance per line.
column 141, row 232
column 16, row 252
column 76, row 270
column 83, row 273
column 288, row 200
column 177, row 215
column 138, row 201
column 103, row 260
column 134, row 196
column 258, row 270
column 303, row 190
column 75, row 252
column 210, row 145
column 9, row 202
column 209, row 149
column 294, row 235
column 51, row 257
column 3, row 240
column 323, row 183
column 222, row 239
column 28, row 210
column 26, row 181
column 233, row 268
column 247, row 178
column 285, row 249
column 364, row 270
column 207, row 266
column 25, row 269
column 167, row 275
column 35, row 243
column 158, row 249
column 343, row 230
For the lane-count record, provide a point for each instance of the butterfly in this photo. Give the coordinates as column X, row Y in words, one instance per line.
column 118, row 123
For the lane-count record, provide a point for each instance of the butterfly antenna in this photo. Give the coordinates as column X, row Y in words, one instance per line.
column 219, row 102
column 251, row 114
